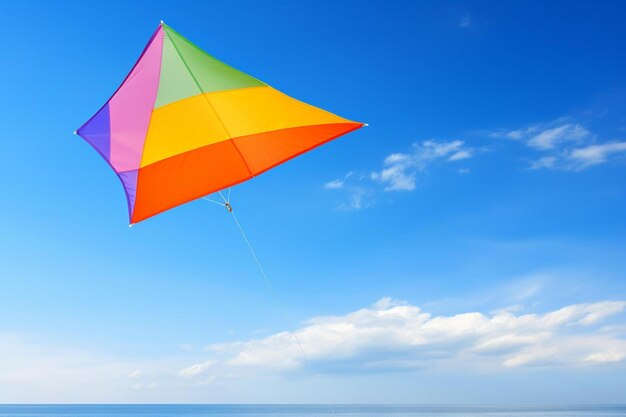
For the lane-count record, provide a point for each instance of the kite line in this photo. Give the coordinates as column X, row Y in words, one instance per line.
column 226, row 204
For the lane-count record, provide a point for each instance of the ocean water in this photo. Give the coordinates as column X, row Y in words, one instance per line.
column 307, row 411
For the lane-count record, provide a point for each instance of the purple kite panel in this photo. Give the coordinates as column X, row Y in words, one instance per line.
column 97, row 132
column 129, row 179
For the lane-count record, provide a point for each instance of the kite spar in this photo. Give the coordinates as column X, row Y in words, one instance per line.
column 184, row 125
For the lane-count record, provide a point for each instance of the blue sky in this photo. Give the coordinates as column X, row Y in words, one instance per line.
column 468, row 246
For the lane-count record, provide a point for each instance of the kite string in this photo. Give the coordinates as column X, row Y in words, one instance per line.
column 269, row 286
column 258, row 263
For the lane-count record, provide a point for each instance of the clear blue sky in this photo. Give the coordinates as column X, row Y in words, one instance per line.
column 486, row 199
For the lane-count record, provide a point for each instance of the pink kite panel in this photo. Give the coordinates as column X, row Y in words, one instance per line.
column 132, row 106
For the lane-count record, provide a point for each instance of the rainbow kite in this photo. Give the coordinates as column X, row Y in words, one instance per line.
column 183, row 125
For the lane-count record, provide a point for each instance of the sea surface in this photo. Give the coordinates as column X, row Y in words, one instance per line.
column 308, row 411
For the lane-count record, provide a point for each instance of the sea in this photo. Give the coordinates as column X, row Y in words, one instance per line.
column 310, row 411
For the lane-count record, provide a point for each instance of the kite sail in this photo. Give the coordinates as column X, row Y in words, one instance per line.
column 183, row 125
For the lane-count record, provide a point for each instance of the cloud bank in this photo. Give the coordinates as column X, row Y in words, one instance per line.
column 397, row 336
column 389, row 336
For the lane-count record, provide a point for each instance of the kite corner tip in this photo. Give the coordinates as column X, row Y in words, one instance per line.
column 75, row 132
column 130, row 225
column 162, row 22
column 366, row 124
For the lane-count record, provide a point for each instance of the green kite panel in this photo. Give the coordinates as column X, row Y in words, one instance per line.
column 209, row 73
column 175, row 82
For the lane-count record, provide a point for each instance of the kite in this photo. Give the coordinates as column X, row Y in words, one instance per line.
column 184, row 125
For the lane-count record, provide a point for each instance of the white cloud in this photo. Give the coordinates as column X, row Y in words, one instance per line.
column 578, row 159
column 515, row 134
column 354, row 189
column 197, row 369
column 394, row 335
column 334, row 185
column 356, row 199
column 457, row 156
column 546, row 136
column 509, row 341
column 400, row 169
column 388, row 336
column 544, row 162
column 607, row 357
column 562, row 144
column 550, row 138
column 399, row 172
column 399, row 175
column 596, row 154
column 532, row 356
column 565, row 145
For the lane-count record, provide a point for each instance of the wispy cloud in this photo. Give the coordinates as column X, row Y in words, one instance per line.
column 544, row 162
column 565, row 145
column 356, row 199
column 562, row 144
column 596, row 154
column 545, row 136
column 334, row 185
column 398, row 174
column 353, row 188
column 400, row 169
column 393, row 335
column 197, row 369
column 552, row 137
